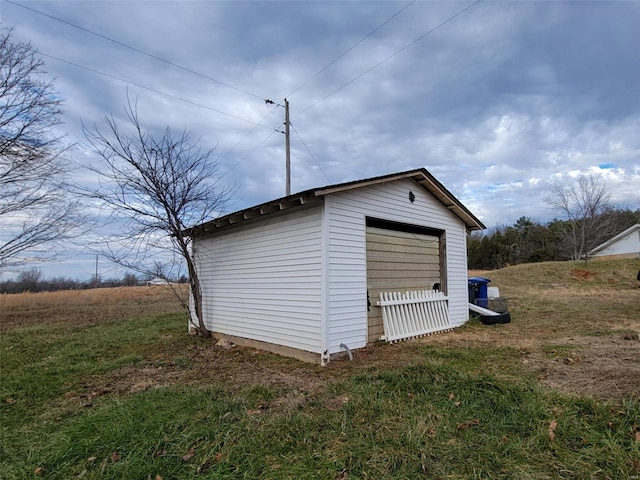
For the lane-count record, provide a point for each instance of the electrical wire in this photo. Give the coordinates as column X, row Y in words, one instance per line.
column 312, row 156
column 251, row 151
column 108, row 75
column 354, row 46
column 250, row 132
column 256, row 125
column 306, row 82
column 370, row 69
column 122, row 44
column 437, row 27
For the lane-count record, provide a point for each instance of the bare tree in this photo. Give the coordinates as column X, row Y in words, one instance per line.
column 159, row 186
column 29, row 279
column 34, row 208
column 130, row 279
column 585, row 203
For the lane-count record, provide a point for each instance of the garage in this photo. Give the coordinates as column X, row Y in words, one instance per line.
column 292, row 275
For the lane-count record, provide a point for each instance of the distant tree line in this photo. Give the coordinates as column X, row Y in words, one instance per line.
column 32, row 280
column 528, row 241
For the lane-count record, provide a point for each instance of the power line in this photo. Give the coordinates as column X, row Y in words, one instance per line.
column 354, row 46
column 309, row 80
column 437, row 27
column 325, row 68
column 155, row 57
column 93, row 70
column 251, row 151
column 256, row 125
column 250, row 132
column 312, row 156
column 370, row 69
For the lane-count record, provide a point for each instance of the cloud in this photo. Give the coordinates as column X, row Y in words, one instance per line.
column 496, row 102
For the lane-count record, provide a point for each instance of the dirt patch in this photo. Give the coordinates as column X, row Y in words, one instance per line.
column 582, row 274
column 237, row 369
column 604, row 367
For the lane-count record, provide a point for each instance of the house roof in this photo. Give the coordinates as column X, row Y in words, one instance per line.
column 613, row 240
column 421, row 176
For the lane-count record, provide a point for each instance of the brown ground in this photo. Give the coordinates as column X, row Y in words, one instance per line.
column 592, row 354
column 603, row 367
column 606, row 367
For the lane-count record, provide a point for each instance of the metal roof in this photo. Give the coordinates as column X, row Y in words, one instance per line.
column 421, row 176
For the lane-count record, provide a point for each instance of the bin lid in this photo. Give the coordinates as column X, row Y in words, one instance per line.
column 478, row 280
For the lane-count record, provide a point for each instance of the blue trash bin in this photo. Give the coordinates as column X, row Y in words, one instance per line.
column 479, row 291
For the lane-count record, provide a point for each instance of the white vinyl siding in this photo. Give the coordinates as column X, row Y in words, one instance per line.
column 346, row 267
column 347, row 284
column 627, row 245
column 263, row 281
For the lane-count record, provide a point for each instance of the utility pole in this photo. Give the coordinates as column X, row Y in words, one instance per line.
column 287, row 143
column 96, row 283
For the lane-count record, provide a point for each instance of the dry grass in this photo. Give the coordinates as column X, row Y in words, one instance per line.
column 568, row 321
column 577, row 325
column 96, row 296
column 106, row 384
column 79, row 306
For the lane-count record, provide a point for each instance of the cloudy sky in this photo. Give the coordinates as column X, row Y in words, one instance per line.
column 496, row 99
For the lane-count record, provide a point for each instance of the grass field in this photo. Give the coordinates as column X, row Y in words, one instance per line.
column 106, row 384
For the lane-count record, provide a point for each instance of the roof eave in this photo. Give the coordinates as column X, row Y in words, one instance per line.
column 421, row 176
column 267, row 208
column 428, row 182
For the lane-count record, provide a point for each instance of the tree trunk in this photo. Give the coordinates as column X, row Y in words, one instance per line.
column 196, row 292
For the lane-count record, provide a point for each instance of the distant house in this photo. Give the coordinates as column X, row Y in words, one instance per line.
column 301, row 275
column 624, row 245
column 156, row 281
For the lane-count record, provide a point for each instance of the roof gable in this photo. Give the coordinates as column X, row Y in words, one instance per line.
column 421, row 176
column 615, row 239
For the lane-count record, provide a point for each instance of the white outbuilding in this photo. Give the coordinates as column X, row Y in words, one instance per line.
column 303, row 275
column 626, row 244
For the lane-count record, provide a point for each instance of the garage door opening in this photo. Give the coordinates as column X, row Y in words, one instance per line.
column 400, row 257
